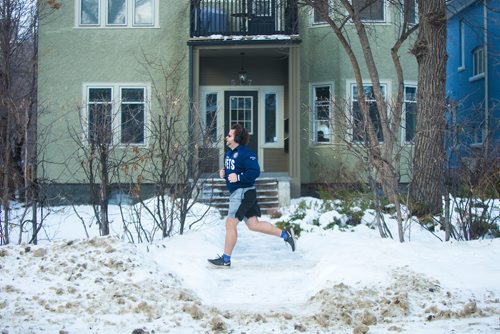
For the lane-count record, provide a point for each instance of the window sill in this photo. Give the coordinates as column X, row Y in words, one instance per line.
column 114, row 27
column 476, row 77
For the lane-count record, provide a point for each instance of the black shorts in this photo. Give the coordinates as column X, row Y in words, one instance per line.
column 248, row 206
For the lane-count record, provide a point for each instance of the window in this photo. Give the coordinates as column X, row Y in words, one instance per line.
column 270, row 114
column 410, row 113
column 112, row 122
column 133, row 106
column 240, row 111
column 211, row 104
column 370, row 10
column 478, row 63
column 359, row 129
column 89, row 12
column 477, row 130
column 461, row 48
column 99, row 115
column 323, row 6
column 143, row 12
column 117, row 13
column 412, row 11
column 322, row 114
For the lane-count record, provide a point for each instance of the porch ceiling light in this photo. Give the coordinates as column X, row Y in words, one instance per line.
column 242, row 74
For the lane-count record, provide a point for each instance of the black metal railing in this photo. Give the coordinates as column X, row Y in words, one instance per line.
column 243, row 17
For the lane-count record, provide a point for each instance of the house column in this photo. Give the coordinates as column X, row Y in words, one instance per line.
column 294, row 119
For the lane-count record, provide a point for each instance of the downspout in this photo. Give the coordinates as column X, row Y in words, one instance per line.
column 190, row 127
column 190, row 83
column 486, row 84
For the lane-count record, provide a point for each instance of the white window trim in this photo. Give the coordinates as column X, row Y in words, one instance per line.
column 279, row 91
column 130, row 18
column 349, row 85
column 403, row 118
column 312, row 115
column 116, row 89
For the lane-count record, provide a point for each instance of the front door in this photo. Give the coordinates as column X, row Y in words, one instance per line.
column 242, row 107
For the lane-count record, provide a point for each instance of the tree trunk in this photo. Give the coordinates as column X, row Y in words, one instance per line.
column 426, row 187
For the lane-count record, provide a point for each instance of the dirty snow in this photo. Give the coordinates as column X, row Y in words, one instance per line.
column 338, row 281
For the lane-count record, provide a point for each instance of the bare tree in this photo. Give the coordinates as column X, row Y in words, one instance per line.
column 376, row 129
column 19, row 21
column 101, row 155
column 173, row 157
column 426, row 188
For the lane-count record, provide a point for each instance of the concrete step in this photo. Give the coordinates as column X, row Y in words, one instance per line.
column 214, row 193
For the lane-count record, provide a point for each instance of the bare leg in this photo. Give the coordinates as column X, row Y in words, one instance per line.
column 231, row 235
column 262, row 226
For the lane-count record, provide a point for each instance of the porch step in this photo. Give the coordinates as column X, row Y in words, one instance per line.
column 214, row 193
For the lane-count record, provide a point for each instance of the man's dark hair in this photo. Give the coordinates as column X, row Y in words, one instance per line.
column 241, row 135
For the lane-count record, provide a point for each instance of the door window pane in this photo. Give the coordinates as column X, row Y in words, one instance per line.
column 270, row 118
column 241, row 111
column 211, row 116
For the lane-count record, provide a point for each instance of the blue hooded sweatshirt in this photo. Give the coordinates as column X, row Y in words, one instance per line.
column 244, row 163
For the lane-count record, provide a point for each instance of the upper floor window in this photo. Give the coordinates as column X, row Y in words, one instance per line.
column 321, row 8
column 116, row 114
column 370, row 10
column 410, row 9
column 359, row 127
column 117, row 13
column 322, row 116
column 478, row 62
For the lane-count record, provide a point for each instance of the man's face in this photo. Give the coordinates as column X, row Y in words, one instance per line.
column 230, row 139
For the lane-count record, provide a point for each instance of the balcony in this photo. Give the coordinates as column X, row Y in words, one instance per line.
column 243, row 17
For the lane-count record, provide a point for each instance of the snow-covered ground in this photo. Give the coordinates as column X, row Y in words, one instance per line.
column 349, row 281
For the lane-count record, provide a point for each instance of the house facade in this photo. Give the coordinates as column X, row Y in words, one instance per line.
column 473, row 77
column 273, row 66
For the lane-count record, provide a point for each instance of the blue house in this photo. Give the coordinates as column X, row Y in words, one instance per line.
column 473, row 82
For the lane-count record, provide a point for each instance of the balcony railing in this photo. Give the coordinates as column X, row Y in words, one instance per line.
column 243, row 17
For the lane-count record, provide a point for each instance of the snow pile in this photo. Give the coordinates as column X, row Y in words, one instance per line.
column 338, row 281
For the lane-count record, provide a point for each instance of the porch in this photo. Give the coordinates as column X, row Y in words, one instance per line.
column 243, row 17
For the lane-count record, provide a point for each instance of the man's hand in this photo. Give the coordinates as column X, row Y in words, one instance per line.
column 222, row 173
column 232, row 178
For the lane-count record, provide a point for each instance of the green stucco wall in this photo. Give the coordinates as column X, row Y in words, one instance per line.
column 71, row 56
column 323, row 60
